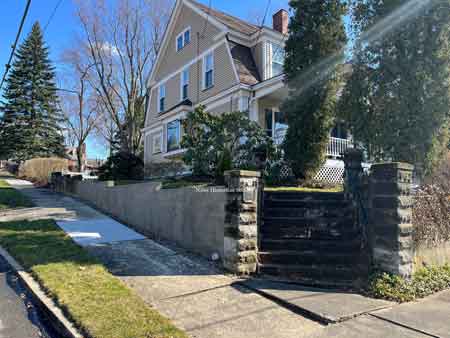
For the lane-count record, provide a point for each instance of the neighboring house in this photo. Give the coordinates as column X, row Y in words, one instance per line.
column 71, row 153
column 224, row 63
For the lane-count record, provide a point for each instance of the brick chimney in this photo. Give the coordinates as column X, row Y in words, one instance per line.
column 281, row 21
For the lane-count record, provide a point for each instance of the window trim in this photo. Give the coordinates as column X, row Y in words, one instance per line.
column 182, row 84
column 183, row 41
column 162, row 85
column 204, row 71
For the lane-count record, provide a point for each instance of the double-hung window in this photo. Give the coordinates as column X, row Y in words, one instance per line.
column 208, row 71
column 184, row 84
column 183, row 39
column 278, row 56
column 162, row 98
column 173, row 135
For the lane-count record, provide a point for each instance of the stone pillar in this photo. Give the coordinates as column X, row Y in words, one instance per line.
column 241, row 221
column 390, row 228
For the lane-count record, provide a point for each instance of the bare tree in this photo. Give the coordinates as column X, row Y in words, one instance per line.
column 79, row 104
column 121, row 41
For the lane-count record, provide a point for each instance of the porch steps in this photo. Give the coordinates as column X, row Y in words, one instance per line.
column 310, row 238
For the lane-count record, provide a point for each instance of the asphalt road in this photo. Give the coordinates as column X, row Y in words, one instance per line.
column 18, row 317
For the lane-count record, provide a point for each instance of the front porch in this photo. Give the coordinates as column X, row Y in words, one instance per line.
column 265, row 110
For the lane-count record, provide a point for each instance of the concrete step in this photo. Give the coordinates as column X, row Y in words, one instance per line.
column 293, row 232
column 307, row 222
column 306, row 196
column 312, row 257
column 308, row 212
column 313, row 274
column 280, row 202
column 300, row 244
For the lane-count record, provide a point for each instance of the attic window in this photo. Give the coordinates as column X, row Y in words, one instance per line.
column 183, row 39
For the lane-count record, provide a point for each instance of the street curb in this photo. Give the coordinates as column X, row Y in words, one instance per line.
column 55, row 316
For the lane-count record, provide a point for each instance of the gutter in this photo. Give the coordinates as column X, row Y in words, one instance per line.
column 54, row 315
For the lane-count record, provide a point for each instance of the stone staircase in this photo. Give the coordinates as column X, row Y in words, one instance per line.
column 310, row 238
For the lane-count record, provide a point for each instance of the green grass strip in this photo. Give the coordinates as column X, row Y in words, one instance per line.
column 11, row 198
column 99, row 304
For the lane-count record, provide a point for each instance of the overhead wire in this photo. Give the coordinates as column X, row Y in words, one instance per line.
column 14, row 46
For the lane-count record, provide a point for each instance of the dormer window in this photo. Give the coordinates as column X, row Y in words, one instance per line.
column 183, row 39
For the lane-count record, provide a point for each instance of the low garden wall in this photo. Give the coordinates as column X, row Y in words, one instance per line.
column 205, row 220
column 192, row 219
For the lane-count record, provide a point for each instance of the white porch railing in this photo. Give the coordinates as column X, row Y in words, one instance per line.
column 337, row 147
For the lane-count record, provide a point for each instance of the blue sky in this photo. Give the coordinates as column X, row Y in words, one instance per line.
column 64, row 25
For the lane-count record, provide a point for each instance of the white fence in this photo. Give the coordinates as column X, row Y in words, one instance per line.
column 337, row 147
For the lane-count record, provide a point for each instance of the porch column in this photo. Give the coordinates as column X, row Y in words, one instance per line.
column 241, row 221
column 254, row 110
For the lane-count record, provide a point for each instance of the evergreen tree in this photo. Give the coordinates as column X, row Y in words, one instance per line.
column 397, row 100
column 30, row 123
column 316, row 40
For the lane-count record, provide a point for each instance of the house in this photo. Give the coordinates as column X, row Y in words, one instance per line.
column 226, row 64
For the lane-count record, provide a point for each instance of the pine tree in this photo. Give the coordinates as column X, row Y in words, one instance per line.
column 316, row 40
column 30, row 123
column 397, row 100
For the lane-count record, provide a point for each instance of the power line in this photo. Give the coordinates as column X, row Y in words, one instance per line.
column 13, row 50
column 52, row 15
column 207, row 18
column 264, row 19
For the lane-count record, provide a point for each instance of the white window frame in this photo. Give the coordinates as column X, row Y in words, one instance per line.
column 162, row 85
column 182, row 84
column 155, row 138
column 183, row 41
column 204, row 70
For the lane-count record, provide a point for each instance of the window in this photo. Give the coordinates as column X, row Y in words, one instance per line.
column 208, row 71
column 184, row 84
column 187, row 37
column 276, row 125
column 162, row 98
column 183, row 39
column 173, row 135
column 157, row 143
column 278, row 56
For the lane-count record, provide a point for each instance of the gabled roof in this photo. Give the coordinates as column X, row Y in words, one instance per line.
column 228, row 20
column 244, row 63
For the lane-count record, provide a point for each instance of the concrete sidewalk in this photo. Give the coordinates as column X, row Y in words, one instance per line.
column 200, row 299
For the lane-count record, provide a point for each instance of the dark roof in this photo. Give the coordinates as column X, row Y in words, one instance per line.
column 245, row 64
column 229, row 20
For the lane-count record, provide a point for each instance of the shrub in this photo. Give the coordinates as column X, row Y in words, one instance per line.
column 424, row 282
column 38, row 170
column 432, row 209
column 218, row 143
column 122, row 166
column 163, row 169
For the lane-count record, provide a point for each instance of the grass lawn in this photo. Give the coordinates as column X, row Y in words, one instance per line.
column 99, row 304
column 11, row 198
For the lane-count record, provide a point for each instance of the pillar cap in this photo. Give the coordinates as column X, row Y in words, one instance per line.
column 242, row 173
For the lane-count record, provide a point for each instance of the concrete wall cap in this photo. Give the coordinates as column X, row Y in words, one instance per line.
column 242, row 173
